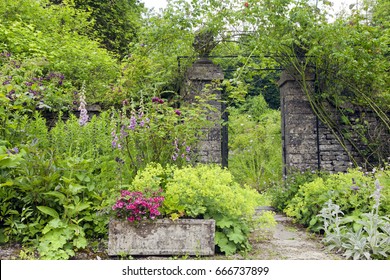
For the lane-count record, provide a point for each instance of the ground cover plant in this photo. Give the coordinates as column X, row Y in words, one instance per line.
column 350, row 209
column 364, row 236
column 351, row 191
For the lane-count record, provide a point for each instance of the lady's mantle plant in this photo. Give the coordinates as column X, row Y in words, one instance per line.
column 138, row 206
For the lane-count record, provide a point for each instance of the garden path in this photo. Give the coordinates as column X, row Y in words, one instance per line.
column 287, row 241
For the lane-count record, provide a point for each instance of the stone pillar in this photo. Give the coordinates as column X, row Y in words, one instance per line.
column 200, row 80
column 309, row 144
column 299, row 126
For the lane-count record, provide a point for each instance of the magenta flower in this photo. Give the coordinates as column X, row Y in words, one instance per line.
column 137, row 206
column 157, row 100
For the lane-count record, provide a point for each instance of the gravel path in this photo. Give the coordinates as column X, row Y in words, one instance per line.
column 288, row 241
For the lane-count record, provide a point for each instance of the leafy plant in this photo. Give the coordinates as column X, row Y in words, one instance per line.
column 53, row 192
column 157, row 132
column 255, row 156
column 369, row 240
column 282, row 193
column 351, row 191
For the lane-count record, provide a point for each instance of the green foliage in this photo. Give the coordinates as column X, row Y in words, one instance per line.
column 151, row 68
column 367, row 238
column 115, row 23
column 25, row 88
column 282, row 193
column 255, row 155
column 56, row 185
column 156, row 132
column 206, row 191
column 50, row 39
column 153, row 176
column 351, row 191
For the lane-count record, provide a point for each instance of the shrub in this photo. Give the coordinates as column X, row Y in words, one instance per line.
column 282, row 193
column 351, row 191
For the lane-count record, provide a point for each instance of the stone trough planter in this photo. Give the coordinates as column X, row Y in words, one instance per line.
column 162, row 237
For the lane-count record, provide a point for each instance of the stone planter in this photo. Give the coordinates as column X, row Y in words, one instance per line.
column 162, row 237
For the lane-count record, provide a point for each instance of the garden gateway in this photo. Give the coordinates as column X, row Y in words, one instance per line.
column 308, row 144
column 204, row 114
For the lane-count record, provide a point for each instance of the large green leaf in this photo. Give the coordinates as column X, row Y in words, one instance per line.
column 224, row 244
column 236, row 236
column 224, row 223
column 80, row 242
column 75, row 189
column 59, row 195
column 48, row 211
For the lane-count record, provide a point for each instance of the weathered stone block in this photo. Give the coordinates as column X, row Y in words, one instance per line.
column 162, row 237
column 328, row 158
column 340, row 168
column 330, row 148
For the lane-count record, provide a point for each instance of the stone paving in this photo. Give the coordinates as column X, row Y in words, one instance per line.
column 288, row 241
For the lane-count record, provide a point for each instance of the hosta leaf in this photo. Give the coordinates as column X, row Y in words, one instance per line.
column 48, row 211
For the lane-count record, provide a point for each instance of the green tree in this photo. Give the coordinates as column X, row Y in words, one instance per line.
column 115, row 23
column 42, row 38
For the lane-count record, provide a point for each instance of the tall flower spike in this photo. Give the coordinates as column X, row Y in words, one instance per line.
column 83, row 111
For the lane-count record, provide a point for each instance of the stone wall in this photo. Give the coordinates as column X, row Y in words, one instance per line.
column 52, row 117
column 199, row 81
column 308, row 144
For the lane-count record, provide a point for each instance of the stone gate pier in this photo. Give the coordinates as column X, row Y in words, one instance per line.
column 203, row 79
column 308, row 144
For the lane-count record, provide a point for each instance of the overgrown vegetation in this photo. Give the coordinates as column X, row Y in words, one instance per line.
column 350, row 209
column 255, row 144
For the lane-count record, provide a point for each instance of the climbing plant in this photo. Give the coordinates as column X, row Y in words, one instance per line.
column 348, row 57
